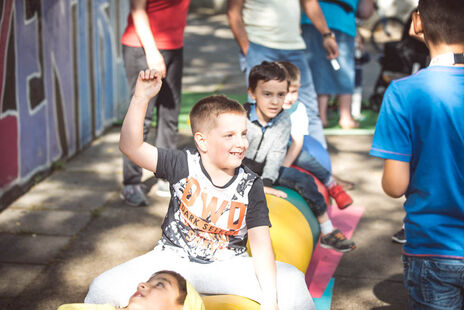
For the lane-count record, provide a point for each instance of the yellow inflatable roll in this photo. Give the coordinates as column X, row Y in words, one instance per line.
column 292, row 240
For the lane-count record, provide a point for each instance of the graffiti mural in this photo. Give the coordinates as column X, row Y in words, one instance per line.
column 62, row 80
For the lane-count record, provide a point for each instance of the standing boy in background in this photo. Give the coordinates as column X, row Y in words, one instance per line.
column 216, row 205
column 268, row 135
column 420, row 134
column 154, row 39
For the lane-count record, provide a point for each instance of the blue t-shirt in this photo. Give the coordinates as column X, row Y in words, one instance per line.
column 337, row 18
column 422, row 122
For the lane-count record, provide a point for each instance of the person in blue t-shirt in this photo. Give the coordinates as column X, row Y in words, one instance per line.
column 420, row 134
column 335, row 79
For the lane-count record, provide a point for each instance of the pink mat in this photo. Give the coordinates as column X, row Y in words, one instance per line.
column 324, row 262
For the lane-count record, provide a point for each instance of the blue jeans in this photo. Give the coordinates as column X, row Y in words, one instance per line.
column 304, row 185
column 309, row 163
column 434, row 283
column 306, row 94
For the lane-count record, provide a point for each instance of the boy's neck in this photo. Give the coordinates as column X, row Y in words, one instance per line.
column 219, row 177
column 443, row 48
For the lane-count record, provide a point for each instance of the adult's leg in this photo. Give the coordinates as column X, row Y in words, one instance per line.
column 168, row 101
column 346, row 118
column 307, row 94
column 237, row 277
column 434, row 283
column 134, row 62
column 323, row 104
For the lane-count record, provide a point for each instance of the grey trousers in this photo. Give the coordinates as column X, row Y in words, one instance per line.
column 167, row 102
column 234, row 276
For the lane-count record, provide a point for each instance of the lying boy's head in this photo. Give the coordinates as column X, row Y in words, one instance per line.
column 204, row 114
column 294, row 77
column 165, row 289
column 219, row 127
column 442, row 21
column 268, row 86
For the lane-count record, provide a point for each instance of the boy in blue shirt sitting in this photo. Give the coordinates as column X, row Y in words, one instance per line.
column 420, row 134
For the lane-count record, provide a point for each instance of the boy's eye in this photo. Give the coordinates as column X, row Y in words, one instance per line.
column 282, row 94
column 160, row 284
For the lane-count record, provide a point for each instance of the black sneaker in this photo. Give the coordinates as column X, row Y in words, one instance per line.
column 134, row 195
column 336, row 240
column 399, row 237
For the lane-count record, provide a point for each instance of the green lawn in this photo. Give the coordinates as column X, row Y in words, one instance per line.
column 367, row 124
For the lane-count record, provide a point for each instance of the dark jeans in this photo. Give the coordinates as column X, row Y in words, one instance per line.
column 434, row 283
column 167, row 103
column 304, row 185
column 310, row 163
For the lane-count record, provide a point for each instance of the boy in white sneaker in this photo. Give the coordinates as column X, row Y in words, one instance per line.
column 216, row 205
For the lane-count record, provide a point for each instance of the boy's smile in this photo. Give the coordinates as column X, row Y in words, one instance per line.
column 227, row 143
column 270, row 97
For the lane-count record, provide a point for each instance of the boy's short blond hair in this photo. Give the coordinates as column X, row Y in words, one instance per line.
column 205, row 112
column 292, row 71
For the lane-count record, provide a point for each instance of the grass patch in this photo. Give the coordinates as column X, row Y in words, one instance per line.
column 367, row 123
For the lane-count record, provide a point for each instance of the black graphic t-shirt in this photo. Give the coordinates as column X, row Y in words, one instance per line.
column 208, row 222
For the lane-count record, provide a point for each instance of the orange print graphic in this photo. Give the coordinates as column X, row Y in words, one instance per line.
column 210, row 209
column 202, row 225
column 189, row 198
column 236, row 205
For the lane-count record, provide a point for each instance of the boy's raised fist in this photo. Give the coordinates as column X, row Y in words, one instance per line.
column 148, row 84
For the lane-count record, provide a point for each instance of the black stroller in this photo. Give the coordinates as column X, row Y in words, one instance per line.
column 399, row 59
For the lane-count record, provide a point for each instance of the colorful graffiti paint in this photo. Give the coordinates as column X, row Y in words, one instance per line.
column 62, row 80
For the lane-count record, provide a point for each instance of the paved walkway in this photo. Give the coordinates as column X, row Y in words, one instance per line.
column 72, row 226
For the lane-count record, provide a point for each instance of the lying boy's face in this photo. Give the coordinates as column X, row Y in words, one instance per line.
column 227, row 142
column 292, row 96
column 270, row 97
column 160, row 292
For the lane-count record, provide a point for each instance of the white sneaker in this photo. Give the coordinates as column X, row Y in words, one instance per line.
column 163, row 189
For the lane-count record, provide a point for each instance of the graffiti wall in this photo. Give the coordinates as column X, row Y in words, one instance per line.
column 62, row 80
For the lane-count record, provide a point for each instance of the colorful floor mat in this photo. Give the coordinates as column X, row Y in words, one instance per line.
column 325, row 301
column 325, row 261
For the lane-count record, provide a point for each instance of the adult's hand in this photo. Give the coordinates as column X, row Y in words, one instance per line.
column 331, row 46
column 155, row 61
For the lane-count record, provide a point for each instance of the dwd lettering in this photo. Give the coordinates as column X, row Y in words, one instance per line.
column 210, row 210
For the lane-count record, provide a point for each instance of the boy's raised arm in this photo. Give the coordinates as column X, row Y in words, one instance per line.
column 265, row 266
column 131, row 141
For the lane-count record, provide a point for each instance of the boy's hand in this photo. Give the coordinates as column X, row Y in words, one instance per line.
column 148, row 84
column 274, row 192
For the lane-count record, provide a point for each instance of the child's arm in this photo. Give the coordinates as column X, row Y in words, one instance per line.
column 395, row 179
column 293, row 151
column 131, row 140
column 142, row 27
column 265, row 266
column 234, row 14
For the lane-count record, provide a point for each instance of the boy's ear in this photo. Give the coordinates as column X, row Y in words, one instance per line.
column 417, row 29
column 251, row 94
column 200, row 141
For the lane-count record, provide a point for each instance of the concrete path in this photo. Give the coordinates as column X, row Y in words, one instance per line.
column 72, row 226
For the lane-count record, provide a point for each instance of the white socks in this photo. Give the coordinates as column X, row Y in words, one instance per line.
column 326, row 227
